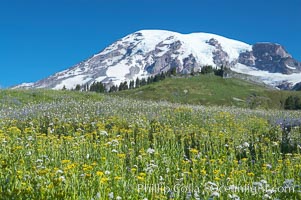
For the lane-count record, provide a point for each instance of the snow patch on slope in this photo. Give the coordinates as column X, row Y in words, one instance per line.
column 290, row 67
column 71, row 83
column 194, row 43
column 272, row 79
column 24, row 85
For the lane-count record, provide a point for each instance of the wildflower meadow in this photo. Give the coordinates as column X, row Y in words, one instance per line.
column 106, row 147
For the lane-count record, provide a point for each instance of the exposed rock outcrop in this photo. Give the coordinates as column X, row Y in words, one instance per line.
column 270, row 57
column 220, row 57
column 247, row 58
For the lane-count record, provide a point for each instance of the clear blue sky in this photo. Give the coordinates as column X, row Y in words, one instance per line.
column 41, row 37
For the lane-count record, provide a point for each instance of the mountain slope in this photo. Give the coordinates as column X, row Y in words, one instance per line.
column 149, row 52
column 210, row 90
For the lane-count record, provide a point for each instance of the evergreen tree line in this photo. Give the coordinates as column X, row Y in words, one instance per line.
column 101, row 88
column 208, row 69
column 292, row 103
column 141, row 82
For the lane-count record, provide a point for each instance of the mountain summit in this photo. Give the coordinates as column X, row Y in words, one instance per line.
column 148, row 52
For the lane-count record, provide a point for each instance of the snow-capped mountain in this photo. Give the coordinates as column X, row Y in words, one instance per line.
column 149, row 52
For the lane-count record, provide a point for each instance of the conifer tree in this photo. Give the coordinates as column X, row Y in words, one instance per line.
column 132, row 84
column 137, row 84
column 77, row 87
column 143, row 82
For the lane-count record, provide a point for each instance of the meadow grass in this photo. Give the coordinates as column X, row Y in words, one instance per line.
column 211, row 90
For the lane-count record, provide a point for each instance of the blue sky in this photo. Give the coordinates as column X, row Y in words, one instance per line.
column 41, row 37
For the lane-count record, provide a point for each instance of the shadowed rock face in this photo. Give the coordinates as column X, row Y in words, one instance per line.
column 297, row 87
column 270, row 57
column 168, row 60
column 220, row 57
column 247, row 58
column 285, row 86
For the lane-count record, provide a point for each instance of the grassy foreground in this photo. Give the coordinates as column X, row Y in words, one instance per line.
column 70, row 145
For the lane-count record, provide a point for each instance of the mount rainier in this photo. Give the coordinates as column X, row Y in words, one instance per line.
column 148, row 52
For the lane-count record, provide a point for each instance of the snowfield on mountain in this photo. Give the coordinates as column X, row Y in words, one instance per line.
column 149, row 52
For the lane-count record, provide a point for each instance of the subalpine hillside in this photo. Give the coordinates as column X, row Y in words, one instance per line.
column 74, row 145
column 211, row 90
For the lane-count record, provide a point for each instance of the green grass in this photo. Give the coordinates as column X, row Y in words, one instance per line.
column 200, row 90
column 22, row 97
column 210, row 90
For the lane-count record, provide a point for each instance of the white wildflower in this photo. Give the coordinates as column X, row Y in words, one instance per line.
column 275, row 143
column 62, row 178
column 263, row 182
column 114, row 143
column 215, row 194
column 30, row 138
column 103, row 133
column 246, row 145
column 150, row 151
column 111, row 195
column 114, row 151
column 269, row 166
